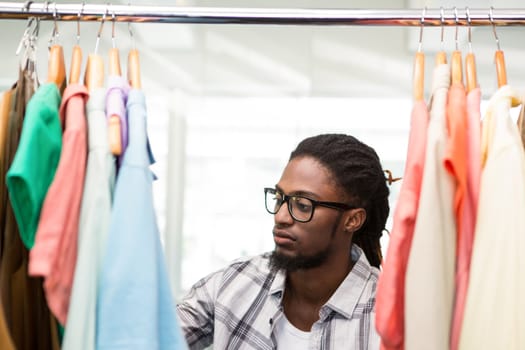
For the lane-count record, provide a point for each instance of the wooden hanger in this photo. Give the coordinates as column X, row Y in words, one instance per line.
column 114, row 57
column 94, row 76
column 441, row 57
column 76, row 65
column 419, row 76
column 76, row 56
column 470, row 72
column 499, row 57
column 114, row 127
column 501, row 71
column 134, row 69
column 56, row 69
column 456, row 68
column 419, row 66
column 114, row 62
column 133, row 64
column 470, row 61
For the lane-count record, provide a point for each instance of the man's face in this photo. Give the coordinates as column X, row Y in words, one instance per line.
column 307, row 245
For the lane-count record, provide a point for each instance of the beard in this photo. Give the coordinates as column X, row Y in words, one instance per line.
column 287, row 263
column 280, row 261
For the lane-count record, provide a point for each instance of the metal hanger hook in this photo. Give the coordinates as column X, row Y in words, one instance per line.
column 421, row 29
column 78, row 21
column 469, row 22
column 100, row 29
column 55, row 28
column 442, row 12
column 29, row 28
column 27, row 5
column 113, row 18
column 491, row 18
column 131, row 32
column 456, row 18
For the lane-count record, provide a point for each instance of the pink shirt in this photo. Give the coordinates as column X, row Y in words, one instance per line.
column 390, row 297
column 468, row 222
column 55, row 251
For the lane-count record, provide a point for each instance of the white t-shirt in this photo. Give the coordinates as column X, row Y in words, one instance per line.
column 289, row 337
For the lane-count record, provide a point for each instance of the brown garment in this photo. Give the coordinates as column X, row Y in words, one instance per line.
column 26, row 313
column 6, row 343
column 5, row 105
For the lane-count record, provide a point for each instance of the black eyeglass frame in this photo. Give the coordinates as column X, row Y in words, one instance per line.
column 315, row 203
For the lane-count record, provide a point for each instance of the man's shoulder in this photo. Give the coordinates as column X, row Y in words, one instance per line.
column 242, row 278
column 256, row 265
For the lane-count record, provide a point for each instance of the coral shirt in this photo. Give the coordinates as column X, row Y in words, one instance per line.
column 456, row 164
column 468, row 219
column 390, row 297
column 55, row 251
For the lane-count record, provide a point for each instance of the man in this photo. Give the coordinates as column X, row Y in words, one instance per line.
column 316, row 290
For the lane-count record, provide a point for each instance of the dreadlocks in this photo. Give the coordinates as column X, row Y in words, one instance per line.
column 356, row 169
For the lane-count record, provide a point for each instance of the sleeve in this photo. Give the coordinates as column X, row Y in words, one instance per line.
column 196, row 312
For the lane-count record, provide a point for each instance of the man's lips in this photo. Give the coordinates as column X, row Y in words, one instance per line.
column 283, row 238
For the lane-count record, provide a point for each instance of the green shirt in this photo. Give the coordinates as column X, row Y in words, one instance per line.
column 36, row 160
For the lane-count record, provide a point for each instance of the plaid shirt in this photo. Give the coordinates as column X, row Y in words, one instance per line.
column 238, row 306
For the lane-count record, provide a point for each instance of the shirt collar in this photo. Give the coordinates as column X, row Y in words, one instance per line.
column 346, row 296
column 277, row 287
column 71, row 91
column 349, row 293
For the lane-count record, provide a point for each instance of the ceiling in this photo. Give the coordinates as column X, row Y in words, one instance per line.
column 265, row 60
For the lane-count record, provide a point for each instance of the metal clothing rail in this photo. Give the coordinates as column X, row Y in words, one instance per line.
column 215, row 15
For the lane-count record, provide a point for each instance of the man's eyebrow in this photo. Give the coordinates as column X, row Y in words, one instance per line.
column 298, row 193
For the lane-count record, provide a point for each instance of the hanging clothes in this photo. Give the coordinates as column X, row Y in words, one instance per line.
column 521, row 124
column 455, row 159
column 468, row 222
column 456, row 164
column 390, row 295
column 5, row 337
column 116, row 98
column 493, row 316
column 431, row 263
column 6, row 343
column 136, row 309
column 36, row 160
column 5, row 106
column 55, row 252
column 95, row 214
column 26, row 313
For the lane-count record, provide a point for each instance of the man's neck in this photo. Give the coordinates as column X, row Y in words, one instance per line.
column 316, row 285
column 307, row 290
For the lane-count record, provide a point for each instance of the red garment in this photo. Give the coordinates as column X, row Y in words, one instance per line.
column 390, row 294
column 55, row 251
column 468, row 221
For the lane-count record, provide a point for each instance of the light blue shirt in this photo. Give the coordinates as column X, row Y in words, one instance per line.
column 136, row 309
column 95, row 213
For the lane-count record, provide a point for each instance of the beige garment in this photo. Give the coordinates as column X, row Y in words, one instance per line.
column 495, row 306
column 431, row 263
column 521, row 124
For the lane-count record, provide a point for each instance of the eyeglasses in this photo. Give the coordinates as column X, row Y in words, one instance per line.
column 300, row 208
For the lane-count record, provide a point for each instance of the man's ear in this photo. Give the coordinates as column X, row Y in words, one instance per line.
column 355, row 219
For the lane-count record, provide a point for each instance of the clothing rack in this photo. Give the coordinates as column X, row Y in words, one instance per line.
column 215, row 15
